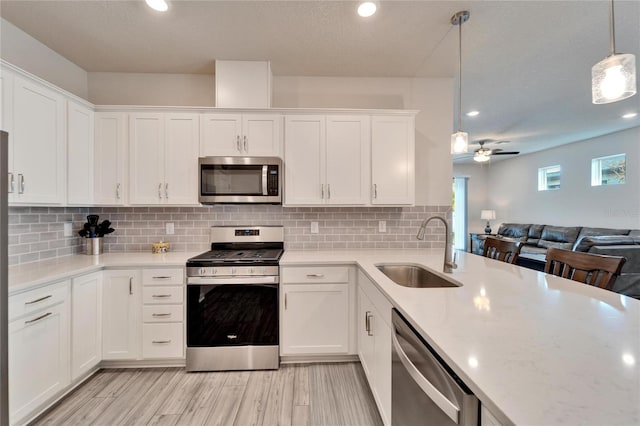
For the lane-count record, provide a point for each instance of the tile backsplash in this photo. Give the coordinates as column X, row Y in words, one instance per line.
column 36, row 233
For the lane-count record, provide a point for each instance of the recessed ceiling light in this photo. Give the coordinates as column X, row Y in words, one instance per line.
column 159, row 5
column 366, row 9
column 472, row 113
column 630, row 115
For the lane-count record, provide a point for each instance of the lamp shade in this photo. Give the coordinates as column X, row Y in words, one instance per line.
column 459, row 142
column 488, row 214
column 481, row 158
column 613, row 79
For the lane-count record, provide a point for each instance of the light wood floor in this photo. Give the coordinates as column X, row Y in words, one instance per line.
column 297, row 395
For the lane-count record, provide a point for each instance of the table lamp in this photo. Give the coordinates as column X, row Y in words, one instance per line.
column 488, row 215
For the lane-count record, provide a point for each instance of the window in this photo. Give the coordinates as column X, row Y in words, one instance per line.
column 548, row 178
column 609, row 170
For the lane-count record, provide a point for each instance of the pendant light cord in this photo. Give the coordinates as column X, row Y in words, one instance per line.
column 612, row 29
column 460, row 75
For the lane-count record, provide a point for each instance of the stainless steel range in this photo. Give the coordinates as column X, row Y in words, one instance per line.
column 232, row 300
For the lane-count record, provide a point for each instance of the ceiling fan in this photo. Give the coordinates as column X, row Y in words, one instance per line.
column 484, row 154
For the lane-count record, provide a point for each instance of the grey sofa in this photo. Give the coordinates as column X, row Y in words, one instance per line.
column 612, row 242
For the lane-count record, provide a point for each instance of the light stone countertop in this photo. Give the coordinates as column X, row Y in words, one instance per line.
column 536, row 349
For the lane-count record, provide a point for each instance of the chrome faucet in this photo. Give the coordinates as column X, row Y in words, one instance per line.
column 449, row 262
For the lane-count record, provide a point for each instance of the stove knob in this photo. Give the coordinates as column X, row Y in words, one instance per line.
column 250, row 270
column 202, row 271
column 214, row 271
column 233, row 271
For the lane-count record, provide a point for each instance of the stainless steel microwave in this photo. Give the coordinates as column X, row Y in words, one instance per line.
column 239, row 180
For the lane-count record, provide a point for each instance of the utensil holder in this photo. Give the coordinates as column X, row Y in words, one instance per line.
column 93, row 246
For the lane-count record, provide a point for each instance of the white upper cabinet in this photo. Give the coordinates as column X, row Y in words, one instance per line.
column 240, row 135
column 304, row 160
column 392, row 160
column 110, row 158
column 80, row 145
column 38, row 143
column 326, row 160
column 163, row 156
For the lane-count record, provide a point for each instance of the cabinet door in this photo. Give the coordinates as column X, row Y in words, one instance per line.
column 110, row 158
column 146, row 158
column 393, row 158
column 220, row 134
column 315, row 319
column 347, row 154
column 38, row 359
column 86, row 323
column 80, row 130
column 304, row 160
column 365, row 336
column 6, row 122
column 261, row 135
column 121, row 306
column 181, row 159
column 39, row 145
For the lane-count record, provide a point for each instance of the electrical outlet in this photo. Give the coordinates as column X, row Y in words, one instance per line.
column 382, row 226
column 314, row 228
column 170, row 230
column 68, row 229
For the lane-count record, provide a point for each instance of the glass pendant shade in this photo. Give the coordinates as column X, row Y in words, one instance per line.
column 613, row 79
column 481, row 158
column 459, row 142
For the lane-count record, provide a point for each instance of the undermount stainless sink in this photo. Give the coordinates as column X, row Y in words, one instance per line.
column 415, row 276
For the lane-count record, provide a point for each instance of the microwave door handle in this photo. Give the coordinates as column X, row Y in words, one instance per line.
column 265, row 168
column 447, row 407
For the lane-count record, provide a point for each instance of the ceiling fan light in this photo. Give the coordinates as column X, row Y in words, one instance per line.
column 613, row 79
column 459, row 142
column 367, row 8
column 481, row 157
column 159, row 5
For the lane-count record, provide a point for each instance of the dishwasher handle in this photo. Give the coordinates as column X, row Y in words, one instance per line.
column 447, row 407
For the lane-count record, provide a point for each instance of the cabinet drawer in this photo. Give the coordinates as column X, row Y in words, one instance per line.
column 35, row 300
column 162, row 295
column 315, row 274
column 163, row 340
column 162, row 313
column 163, row 276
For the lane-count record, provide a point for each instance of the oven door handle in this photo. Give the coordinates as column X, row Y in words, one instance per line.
column 247, row 280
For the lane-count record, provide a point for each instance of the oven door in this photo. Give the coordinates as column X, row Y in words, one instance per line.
column 240, row 180
column 229, row 313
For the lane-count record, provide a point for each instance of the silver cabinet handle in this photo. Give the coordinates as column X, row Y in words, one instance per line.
column 38, row 300
column 11, row 182
column 166, row 191
column 285, row 301
column 368, row 323
column 160, row 315
column 117, row 191
column 322, row 190
column 20, row 183
column 329, row 191
column 161, row 342
column 315, row 275
column 245, row 144
column 238, row 143
column 375, row 190
column 160, row 191
column 448, row 407
column 160, row 296
column 38, row 318
column 130, row 285
column 162, row 277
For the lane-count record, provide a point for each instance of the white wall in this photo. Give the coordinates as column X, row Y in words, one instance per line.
column 110, row 88
column 24, row 51
column 477, row 197
column 513, row 188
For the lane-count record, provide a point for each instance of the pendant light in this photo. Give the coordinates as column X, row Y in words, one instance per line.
column 614, row 78
column 460, row 139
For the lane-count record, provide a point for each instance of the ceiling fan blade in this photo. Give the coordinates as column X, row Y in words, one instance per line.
column 506, row 153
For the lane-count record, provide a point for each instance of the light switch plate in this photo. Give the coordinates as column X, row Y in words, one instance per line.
column 170, row 228
column 382, row 226
column 314, row 228
column 68, row 229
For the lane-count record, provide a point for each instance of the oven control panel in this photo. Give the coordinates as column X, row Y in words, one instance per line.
column 227, row 271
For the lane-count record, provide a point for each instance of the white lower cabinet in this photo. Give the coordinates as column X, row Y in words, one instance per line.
column 315, row 306
column 164, row 340
column 38, row 350
column 121, row 300
column 86, row 323
column 374, row 343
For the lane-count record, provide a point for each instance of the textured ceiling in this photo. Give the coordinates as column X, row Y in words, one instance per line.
column 526, row 64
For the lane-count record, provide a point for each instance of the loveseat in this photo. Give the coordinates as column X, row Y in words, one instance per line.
column 537, row 239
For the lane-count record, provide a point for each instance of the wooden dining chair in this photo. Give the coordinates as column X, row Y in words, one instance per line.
column 593, row 269
column 502, row 250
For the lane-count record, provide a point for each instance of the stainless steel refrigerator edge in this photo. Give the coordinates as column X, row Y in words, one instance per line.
column 4, row 284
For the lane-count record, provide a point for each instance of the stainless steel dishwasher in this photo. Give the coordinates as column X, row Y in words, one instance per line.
column 425, row 391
